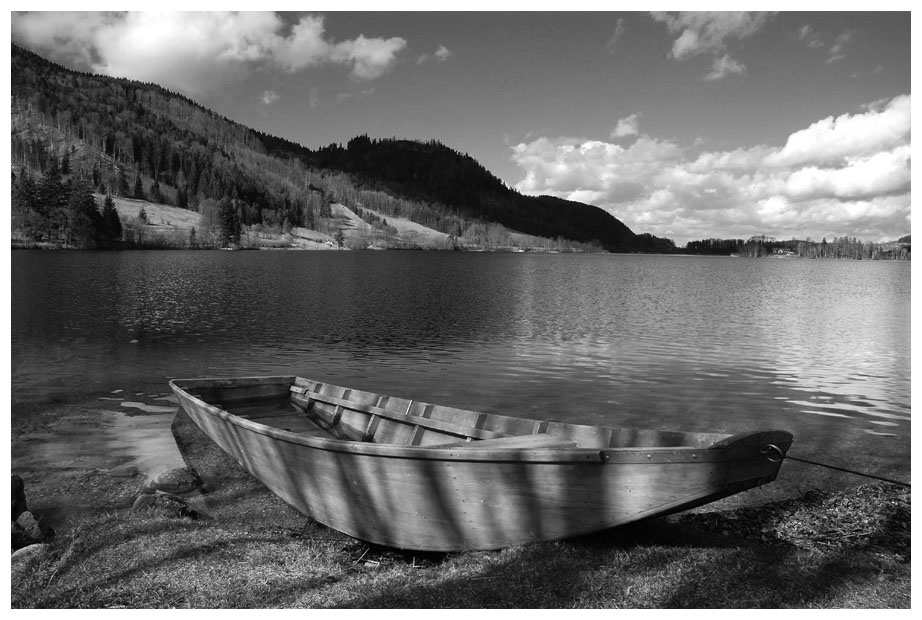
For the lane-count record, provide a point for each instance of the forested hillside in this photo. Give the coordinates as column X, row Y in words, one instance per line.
column 431, row 173
column 125, row 135
column 90, row 133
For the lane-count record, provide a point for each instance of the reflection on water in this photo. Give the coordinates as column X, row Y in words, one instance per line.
column 820, row 348
column 105, row 439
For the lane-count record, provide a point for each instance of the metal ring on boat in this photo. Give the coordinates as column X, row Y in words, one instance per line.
column 772, row 448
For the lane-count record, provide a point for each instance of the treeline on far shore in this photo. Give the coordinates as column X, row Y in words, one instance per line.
column 850, row 248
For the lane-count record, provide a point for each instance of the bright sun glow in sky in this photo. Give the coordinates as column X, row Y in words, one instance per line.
column 684, row 125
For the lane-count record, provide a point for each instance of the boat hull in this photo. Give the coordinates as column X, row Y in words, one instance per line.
column 422, row 498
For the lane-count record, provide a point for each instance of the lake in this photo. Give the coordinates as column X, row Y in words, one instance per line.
column 820, row 348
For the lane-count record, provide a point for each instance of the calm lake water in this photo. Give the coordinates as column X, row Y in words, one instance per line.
column 821, row 348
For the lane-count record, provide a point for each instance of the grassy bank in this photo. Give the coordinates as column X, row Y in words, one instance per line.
column 849, row 549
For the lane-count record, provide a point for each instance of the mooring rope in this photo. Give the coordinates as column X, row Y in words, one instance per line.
column 850, row 471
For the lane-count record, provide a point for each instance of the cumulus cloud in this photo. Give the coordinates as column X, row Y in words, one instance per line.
column 196, row 52
column 269, row 97
column 441, row 54
column 627, row 126
column 371, row 58
column 724, row 66
column 845, row 175
column 709, row 33
column 882, row 126
column 703, row 32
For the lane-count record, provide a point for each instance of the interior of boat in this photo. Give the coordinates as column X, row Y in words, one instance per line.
column 323, row 410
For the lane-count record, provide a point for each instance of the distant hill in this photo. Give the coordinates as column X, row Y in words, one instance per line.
column 436, row 174
column 141, row 141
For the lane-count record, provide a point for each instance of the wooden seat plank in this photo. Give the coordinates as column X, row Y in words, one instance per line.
column 304, row 396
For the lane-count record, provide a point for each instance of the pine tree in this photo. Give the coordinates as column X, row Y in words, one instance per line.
column 51, row 205
column 230, row 222
column 121, row 184
column 84, row 223
column 155, row 194
column 111, row 223
column 138, row 187
column 182, row 199
column 23, row 203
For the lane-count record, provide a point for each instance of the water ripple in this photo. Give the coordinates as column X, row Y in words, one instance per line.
column 821, row 348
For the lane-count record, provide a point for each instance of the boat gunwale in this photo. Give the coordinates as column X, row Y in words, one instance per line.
column 683, row 455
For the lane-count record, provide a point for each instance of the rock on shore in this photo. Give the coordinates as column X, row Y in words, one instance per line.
column 26, row 529
column 176, row 481
column 162, row 492
column 166, row 503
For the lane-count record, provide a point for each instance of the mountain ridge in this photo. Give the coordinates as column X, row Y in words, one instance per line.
column 115, row 130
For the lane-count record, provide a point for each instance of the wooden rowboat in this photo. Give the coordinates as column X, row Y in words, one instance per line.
column 412, row 475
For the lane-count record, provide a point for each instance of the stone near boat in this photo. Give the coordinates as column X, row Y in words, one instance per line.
column 165, row 503
column 26, row 556
column 25, row 529
column 177, row 481
column 19, row 497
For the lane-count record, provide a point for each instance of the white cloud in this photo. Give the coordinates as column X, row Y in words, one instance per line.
column 860, row 177
column 808, row 35
column 269, row 97
column 724, row 66
column 371, row 58
column 304, row 47
column 441, row 54
column 839, row 44
column 64, row 36
column 196, row 52
column 620, row 28
column 837, row 48
column 627, row 126
column 881, row 127
column 703, row 32
column 848, row 175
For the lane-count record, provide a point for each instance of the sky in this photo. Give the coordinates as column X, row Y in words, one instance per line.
column 686, row 125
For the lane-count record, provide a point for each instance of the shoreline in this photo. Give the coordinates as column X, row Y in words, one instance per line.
column 249, row 549
column 470, row 250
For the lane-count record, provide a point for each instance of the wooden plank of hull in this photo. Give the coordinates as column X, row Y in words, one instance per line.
column 454, row 502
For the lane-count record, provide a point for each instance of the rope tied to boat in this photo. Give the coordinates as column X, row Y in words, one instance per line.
column 842, row 469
